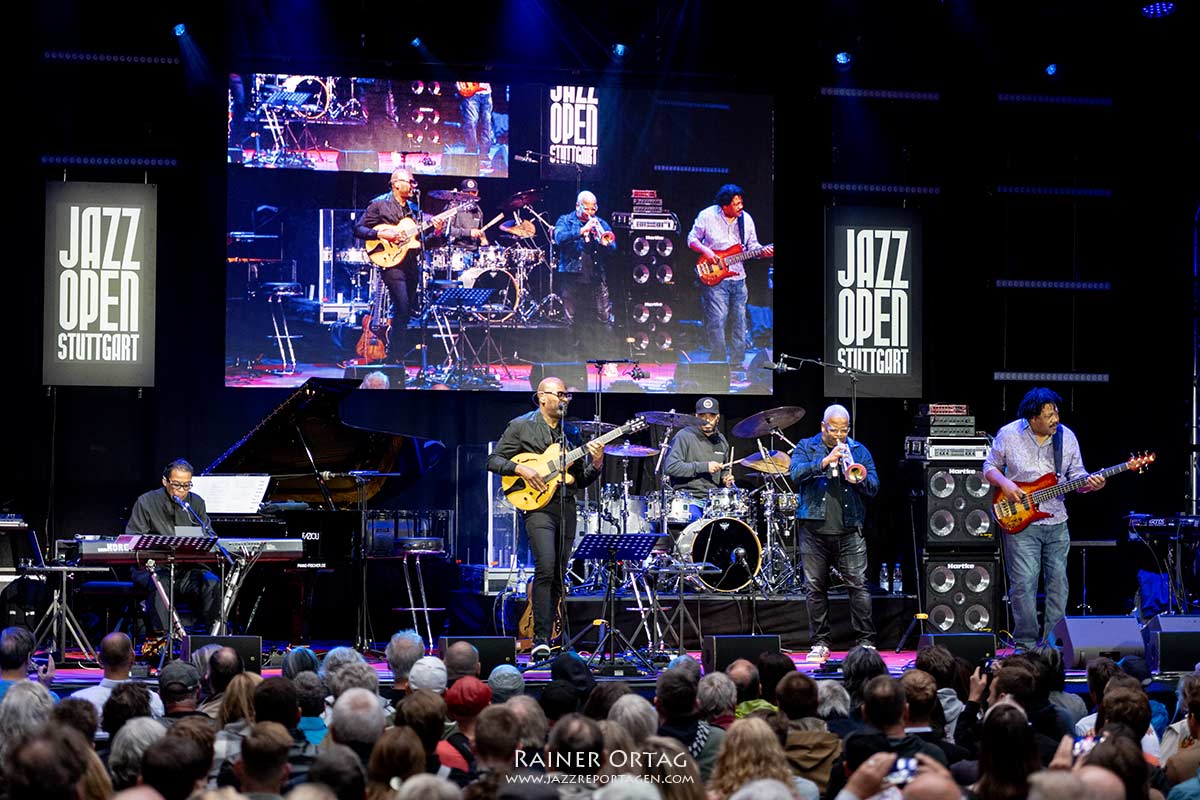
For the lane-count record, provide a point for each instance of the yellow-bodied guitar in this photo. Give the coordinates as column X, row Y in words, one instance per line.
column 385, row 254
column 548, row 465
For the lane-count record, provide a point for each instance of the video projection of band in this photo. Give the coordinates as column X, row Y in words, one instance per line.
column 552, row 229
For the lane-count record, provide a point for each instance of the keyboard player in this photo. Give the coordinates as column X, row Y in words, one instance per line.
column 160, row 511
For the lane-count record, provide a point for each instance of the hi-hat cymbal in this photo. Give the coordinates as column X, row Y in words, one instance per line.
column 522, row 230
column 628, row 450
column 594, row 427
column 764, row 422
column 521, row 199
column 452, row 196
column 671, row 419
column 776, row 462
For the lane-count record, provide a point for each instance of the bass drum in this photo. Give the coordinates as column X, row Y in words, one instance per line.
column 316, row 105
column 715, row 541
column 505, row 294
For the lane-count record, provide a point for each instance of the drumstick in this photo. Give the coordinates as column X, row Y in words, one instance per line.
column 493, row 222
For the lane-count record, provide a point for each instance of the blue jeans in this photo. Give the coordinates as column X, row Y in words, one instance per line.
column 477, row 113
column 1039, row 549
column 726, row 300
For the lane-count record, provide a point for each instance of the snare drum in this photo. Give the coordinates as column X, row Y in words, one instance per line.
column 489, row 257
column 728, row 502
column 682, row 508
column 781, row 503
column 461, row 260
column 716, row 541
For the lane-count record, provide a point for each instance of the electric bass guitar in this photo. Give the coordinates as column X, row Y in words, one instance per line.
column 713, row 271
column 468, row 88
column 1014, row 517
column 551, row 466
column 386, row 254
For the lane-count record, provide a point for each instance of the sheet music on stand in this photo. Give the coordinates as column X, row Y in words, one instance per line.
column 457, row 296
column 231, row 494
column 163, row 543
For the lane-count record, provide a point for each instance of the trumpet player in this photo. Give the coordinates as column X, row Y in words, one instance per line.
column 835, row 474
column 584, row 242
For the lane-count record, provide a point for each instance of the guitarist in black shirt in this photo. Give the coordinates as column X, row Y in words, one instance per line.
column 550, row 529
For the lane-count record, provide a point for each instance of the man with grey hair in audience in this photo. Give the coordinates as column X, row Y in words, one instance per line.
column 128, row 747
column 402, row 652
column 461, row 659
column 25, row 710
column 636, row 715
column 337, row 658
column 532, row 726
column 717, row 697
column 833, row 706
column 358, row 722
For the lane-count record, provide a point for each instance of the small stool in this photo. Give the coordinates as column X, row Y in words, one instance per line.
column 412, row 606
column 275, row 294
column 1083, row 544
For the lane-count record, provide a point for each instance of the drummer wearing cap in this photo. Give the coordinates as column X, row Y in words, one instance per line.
column 466, row 229
column 696, row 460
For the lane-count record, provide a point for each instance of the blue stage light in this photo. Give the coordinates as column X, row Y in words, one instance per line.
column 842, row 59
column 180, row 29
column 618, row 50
column 1052, row 70
column 1158, row 10
column 416, row 42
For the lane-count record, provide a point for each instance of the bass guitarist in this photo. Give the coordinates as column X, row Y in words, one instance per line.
column 717, row 228
column 389, row 209
column 1024, row 450
column 551, row 528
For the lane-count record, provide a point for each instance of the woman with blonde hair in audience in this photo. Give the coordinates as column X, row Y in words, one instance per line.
column 669, row 767
column 235, row 717
column 752, row 751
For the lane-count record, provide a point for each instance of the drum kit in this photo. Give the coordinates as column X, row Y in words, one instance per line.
column 731, row 540
column 517, row 271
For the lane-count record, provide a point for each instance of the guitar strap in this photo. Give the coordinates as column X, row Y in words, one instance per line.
column 1058, row 450
column 742, row 228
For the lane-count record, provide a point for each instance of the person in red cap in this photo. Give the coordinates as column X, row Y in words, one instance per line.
column 465, row 701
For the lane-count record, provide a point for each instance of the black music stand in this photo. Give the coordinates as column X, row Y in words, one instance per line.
column 172, row 546
column 610, row 547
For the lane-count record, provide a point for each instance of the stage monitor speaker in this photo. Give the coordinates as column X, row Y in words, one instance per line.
column 493, row 651
column 1085, row 638
column 1172, row 643
column 248, row 647
column 573, row 373
column 958, row 506
column 718, row 652
column 396, row 373
column 961, row 592
column 974, row 647
column 697, row 377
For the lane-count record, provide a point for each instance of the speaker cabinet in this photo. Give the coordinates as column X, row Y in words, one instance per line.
column 1085, row 638
column 248, row 647
column 974, row 647
column 493, row 651
column 1172, row 643
column 958, row 506
column 718, row 652
column 961, row 593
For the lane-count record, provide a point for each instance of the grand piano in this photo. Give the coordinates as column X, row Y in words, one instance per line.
column 309, row 451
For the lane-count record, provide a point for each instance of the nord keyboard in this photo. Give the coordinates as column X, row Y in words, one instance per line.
column 116, row 551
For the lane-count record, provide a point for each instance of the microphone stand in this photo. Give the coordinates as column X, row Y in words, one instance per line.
column 851, row 372
column 537, row 158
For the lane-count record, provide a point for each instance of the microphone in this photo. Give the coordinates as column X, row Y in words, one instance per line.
column 739, row 553
column 525, row 159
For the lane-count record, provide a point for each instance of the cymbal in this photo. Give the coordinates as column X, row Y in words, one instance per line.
column 775, row 463
column 628, row 450
column 671, row 419
column 522, row 230
column 452, row 196
column 764, row 422
column 521, row 199
column 591, row 426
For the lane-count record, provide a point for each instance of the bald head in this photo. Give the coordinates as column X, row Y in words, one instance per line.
column 1056, row 784
column 585, row 197
column 835, row 412
column 462, row 659
column 116, row 653
column 931, row 787
column 1101, row 783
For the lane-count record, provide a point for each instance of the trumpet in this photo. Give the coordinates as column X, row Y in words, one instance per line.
column 854, row 472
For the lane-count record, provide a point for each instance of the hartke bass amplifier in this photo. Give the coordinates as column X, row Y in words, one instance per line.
column 961, row 593
column 958, row 506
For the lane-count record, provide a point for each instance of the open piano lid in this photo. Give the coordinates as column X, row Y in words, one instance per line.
column 310, row 421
